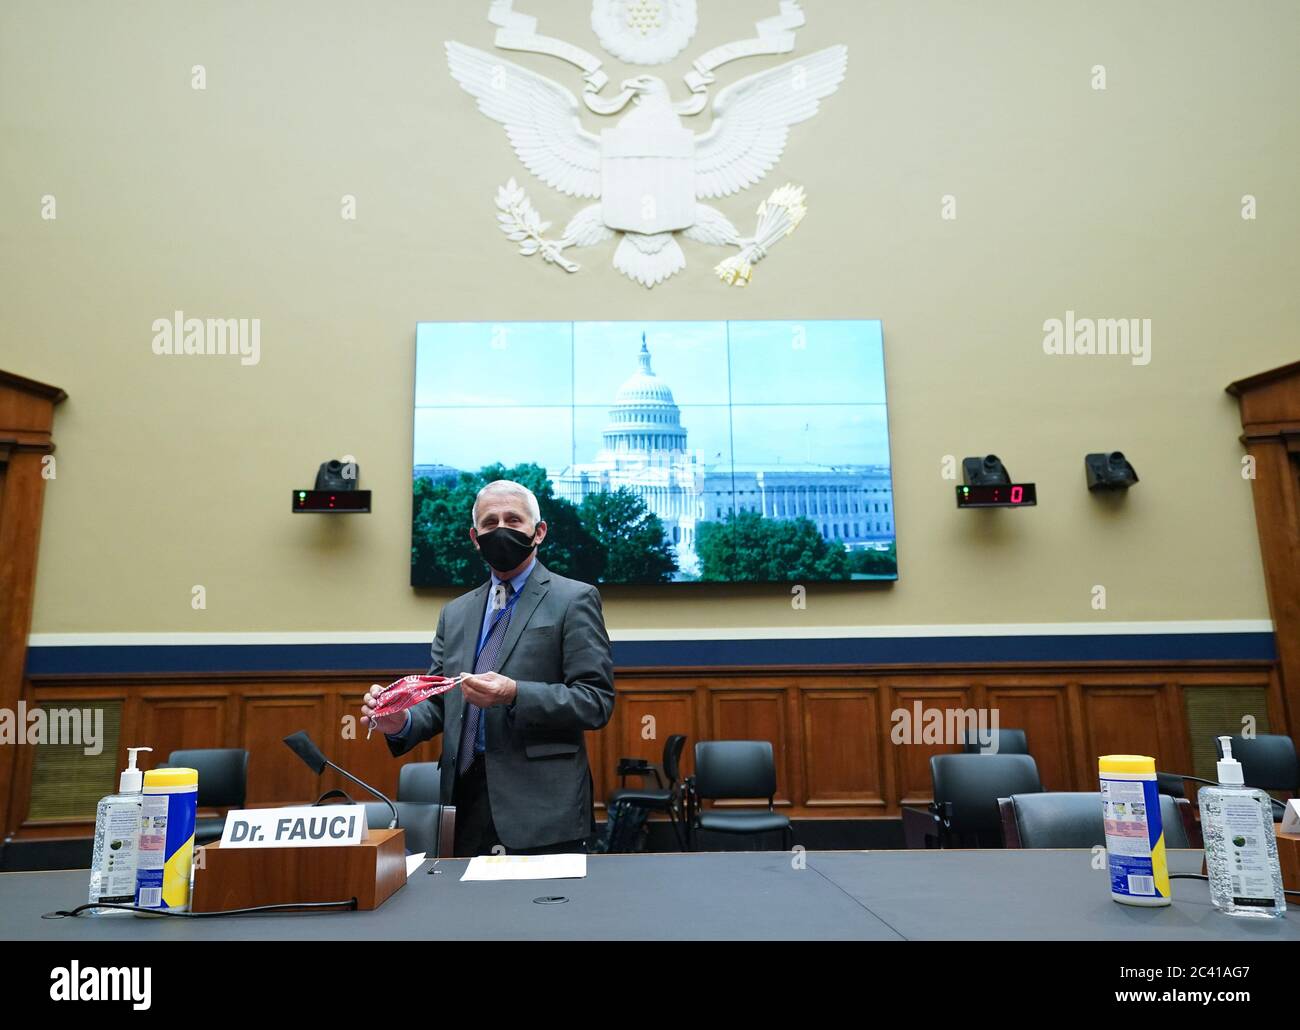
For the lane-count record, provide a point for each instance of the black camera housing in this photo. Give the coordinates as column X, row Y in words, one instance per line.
column 1109, row 471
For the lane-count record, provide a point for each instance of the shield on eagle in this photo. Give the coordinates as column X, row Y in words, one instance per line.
column 647, row 177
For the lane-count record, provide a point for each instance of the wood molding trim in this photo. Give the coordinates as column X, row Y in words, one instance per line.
column 1270, row 419
column 26, row 424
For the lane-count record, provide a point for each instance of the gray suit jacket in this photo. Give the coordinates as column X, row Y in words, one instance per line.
column 557, row 651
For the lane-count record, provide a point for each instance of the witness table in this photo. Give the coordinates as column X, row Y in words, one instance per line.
column 839, row 895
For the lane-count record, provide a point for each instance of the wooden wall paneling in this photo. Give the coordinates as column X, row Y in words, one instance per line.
column 1040, row 707
column 276, row 776
column 891, row 785
column 670, row 708
column 1136, row 718
column 756, row 711
column 1083, row 763
column 174, row 718
column 1180, row 758
column 796, row 745
column 911, row 758
column 842, row 758
column 1277, row 709
column 704, row 723
column 830, row 726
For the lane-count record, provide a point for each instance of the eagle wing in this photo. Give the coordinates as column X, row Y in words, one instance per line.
column 752, row 117
column 540, row 116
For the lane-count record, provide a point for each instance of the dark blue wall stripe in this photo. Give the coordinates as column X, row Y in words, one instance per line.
column 66, row 661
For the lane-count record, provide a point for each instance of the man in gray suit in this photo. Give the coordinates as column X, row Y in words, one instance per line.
column 514, row 761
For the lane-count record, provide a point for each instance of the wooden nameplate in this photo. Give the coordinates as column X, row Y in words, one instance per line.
column 226, row 878
column 1288, row 856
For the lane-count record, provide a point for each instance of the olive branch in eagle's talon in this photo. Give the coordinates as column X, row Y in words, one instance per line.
column 519, row 220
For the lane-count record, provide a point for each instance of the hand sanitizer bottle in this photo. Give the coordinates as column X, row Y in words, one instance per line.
column 1240, row 846
column 117, row 841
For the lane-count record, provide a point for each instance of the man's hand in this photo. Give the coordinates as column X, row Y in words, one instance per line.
column 488, row 689
column 383, row 723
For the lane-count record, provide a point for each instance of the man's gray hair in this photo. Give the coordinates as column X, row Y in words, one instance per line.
column 508, row 486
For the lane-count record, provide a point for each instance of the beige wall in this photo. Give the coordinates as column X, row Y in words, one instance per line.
column 225, row 203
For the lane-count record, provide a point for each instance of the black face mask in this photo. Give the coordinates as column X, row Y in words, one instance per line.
column 504, row 548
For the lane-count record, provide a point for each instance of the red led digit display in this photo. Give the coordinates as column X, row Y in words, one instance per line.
column 1012, row 495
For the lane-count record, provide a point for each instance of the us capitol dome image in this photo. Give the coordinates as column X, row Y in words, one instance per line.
column 644, row 449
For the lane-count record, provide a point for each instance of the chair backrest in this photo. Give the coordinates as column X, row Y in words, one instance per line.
column 423, row 823
column 1268, row 761
column 735, row 769
column 420, row 781
column 1070, row 819
column 1171, row 784
column 223, row 774
column 972, row 784
column 673, row 748
column 1004, row 742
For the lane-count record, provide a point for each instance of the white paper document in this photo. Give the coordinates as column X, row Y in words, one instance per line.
column 526, row 867
column 413, row 862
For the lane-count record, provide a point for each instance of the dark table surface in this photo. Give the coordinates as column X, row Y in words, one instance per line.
column 837, row 895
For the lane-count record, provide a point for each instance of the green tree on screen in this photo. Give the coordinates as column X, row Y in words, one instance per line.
column 746, row 547
column 875, row 563
column 637, row 550
column 441, row 551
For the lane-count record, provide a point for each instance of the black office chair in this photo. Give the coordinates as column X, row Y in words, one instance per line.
column 733, row 769
column 420, row 781
column 1004, row 742
column 663, row 797
column 966, row 792
column 1171, row 784
column 1069, row 819
column 1268, row 761
column 429, row 828
column 223, row 783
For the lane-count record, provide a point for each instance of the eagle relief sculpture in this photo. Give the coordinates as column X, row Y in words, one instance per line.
column 649, row 175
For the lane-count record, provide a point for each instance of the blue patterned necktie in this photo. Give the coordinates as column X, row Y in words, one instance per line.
column 488, row 656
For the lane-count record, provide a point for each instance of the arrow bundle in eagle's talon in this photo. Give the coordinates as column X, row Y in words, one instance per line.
column 408, row 692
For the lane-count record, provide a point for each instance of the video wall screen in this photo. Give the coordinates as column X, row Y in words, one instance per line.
column 660, row 452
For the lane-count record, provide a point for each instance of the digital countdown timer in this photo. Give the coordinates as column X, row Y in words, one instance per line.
column 339, row 501
column 1003, row 495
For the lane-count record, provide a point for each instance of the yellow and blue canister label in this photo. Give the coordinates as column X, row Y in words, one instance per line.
column 170, row 805
column 1135, row 840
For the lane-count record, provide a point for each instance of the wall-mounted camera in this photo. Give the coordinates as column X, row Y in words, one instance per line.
column 1110, row 471
column 335, row 491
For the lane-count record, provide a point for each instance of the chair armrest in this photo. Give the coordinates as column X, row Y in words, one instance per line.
column 447, row 831
column 1010, row 828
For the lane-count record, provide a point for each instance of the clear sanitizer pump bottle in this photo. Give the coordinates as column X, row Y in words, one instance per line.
column 117, row 841
column 1240, row 846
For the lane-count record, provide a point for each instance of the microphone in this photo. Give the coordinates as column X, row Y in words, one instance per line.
column 305, row 748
